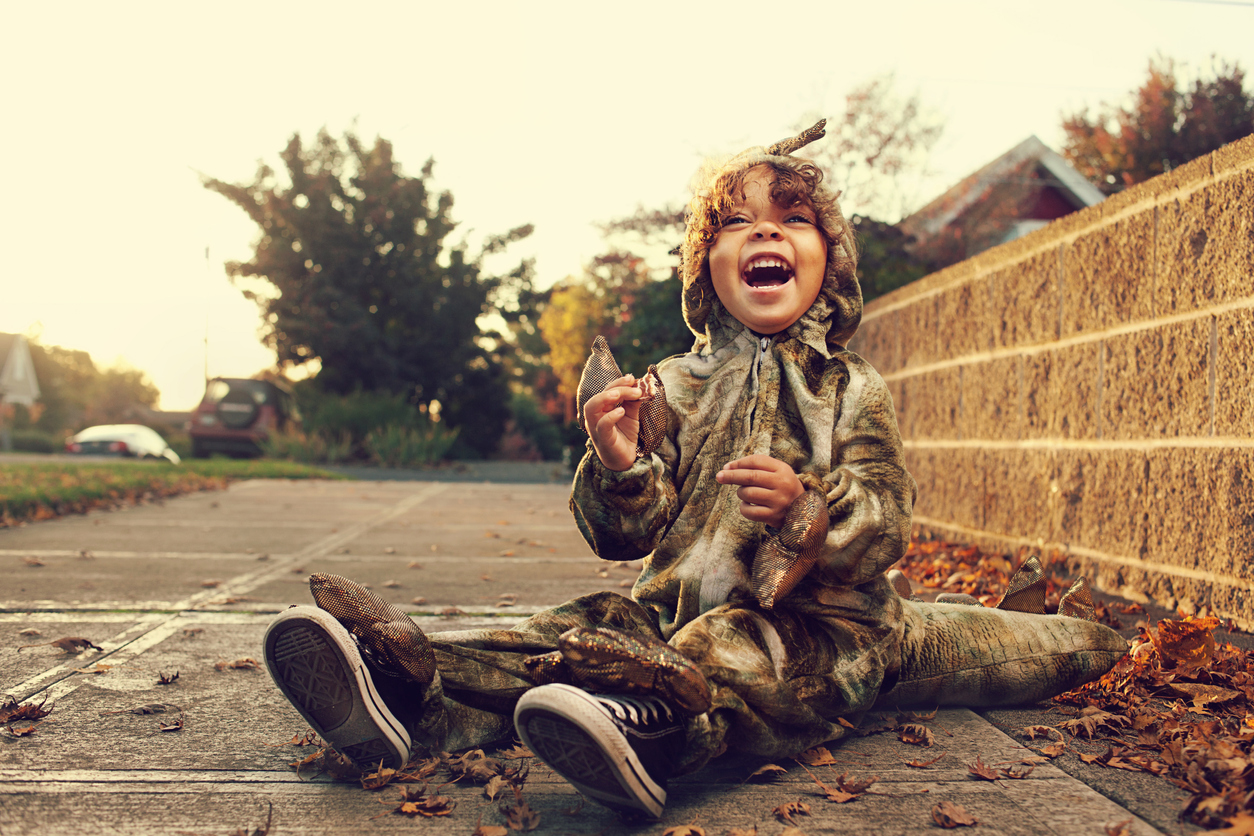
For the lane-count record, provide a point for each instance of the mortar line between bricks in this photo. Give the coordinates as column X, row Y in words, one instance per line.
column 162, row 625
column 1124, row 329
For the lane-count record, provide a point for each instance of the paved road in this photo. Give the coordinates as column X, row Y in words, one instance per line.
column 189, row 586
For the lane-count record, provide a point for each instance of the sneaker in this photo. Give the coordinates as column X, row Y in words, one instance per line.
column 615, row 749
column 316, row 664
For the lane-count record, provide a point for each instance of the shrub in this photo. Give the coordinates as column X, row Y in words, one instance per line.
column 34, row 441
column 311, row 448
column 423, row 443
column 536, row 427
column 356, row 415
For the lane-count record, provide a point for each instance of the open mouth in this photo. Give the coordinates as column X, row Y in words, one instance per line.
column 767, row 272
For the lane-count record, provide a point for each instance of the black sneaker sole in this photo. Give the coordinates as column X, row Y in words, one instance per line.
column 574, row 735
column 314, row 662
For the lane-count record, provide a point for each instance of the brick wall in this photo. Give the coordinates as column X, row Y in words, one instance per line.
column 1089, row 389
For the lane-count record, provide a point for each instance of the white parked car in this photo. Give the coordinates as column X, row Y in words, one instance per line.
column 121, row 440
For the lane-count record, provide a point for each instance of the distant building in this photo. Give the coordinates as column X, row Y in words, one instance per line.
column 1020, row 191
column 18, row 384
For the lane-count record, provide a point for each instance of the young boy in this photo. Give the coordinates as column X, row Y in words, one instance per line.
column 761, row 478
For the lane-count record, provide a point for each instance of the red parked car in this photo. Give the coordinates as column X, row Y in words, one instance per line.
column 237, row 415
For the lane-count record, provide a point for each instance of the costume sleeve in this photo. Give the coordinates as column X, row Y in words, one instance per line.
column 624, row 514
column 870, row 495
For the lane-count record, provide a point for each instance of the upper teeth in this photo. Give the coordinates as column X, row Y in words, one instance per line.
column 767, row 262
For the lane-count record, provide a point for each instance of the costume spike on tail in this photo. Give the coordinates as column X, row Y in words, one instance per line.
column 787, row 146
column 1077, row 602
column 976, row 656
column 1026, row 591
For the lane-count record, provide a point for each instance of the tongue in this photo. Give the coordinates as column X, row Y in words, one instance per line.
column 767, row 277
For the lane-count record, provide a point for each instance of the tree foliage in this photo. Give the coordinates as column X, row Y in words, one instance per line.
column 1166, row 124
column 363, row 278
column 616, row 298
column 75, row 393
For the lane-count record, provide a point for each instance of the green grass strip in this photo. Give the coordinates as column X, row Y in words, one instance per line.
column 42, row 490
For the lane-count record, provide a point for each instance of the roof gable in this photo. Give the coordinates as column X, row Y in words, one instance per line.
column 18, row 383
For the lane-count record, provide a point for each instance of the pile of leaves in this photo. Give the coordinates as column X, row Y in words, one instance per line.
column 1180, row 705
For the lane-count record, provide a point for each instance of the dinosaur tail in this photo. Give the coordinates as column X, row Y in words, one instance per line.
column 954, row 654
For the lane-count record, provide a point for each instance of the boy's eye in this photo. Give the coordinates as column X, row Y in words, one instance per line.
column 735, row 220
column 805, row 219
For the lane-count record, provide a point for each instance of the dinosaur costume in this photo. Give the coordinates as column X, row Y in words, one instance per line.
column 763, row 639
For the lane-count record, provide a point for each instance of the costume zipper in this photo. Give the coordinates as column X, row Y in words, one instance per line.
column 764, row 343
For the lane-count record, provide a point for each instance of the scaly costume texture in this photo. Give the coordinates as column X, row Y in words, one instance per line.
column 791, row 631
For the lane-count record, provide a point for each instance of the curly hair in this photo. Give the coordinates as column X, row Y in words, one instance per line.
column 794, row 182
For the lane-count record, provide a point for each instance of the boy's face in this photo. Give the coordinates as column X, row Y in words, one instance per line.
column 768, row 261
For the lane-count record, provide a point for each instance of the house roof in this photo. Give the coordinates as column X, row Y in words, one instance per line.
column 942, row 211
column 17, row 374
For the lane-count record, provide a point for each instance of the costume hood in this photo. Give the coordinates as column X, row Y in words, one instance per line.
column 833, row 318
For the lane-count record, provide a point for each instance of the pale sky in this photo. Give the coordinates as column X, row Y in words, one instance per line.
column 557, row 114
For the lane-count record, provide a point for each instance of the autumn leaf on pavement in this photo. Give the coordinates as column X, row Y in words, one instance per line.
column 949, row 815
column 474, row 765
column 10, row 710
column 32, row 561
column 167, row 678
column 1033, row 732
column 175, row 726
column 921, row 764
column 1017, row 772
column 1185, row 644
column 519, row 815
column 785, row 812
column 916, row 734
column 69, row 644
column 21, row 731
column 1119, row 829
column 493, row 788
column 415, row 802
column 378, row 779
column 490, row 830
column 857, row 786
column 517, row 751
column 246, row 664
column 764, row 774
column 981, row 770
column 1093, row 718
column 149, row 708
column 818, row 756
column 684, row 830
column 1240, row 825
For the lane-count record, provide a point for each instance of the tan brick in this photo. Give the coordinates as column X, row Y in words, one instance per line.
column 1155, row 384
column 934, row 400
column 964, row 321
column 919, row 332
column 991, row 400
column 1236, row 507
column 879, row 342
column 1205, row 248
column 1185, row 524
column 1067, row 489
column 951, row 484
column 1025, row 301
column 1113, row 505
column 1235, row 602
column 1234, row 374
column 1016, row 492
column 1234, row 155
column 1060, row 393
column 1107, row 276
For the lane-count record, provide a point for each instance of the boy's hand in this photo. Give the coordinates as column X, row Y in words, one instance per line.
column 768, row 487
column 612, row 418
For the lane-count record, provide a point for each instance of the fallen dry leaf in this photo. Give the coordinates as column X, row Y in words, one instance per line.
column 415, row 802
column 11, row 711
column 785, row 812
column 980, row 770
column 1240, row 825
column 418, row 600
column 211, row 584
column 29, row 631
column 391, row 585
column 949, row 815
column 69, row 644
column 490, row 830
column 245, row 664
column 916, row 734
column 684, row 830
column 21, row 731
column 517, row 751
column 150, row 708
column 919, row 764
column 818, row 756
column 493, row 788
column 770, row 772
column 33, row 561
column 168, row 678
column 519, row 815
column 1119, row 829
column 1017, row 772
column 177, row 725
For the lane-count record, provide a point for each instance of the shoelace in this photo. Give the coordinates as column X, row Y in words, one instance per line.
column 638, row 711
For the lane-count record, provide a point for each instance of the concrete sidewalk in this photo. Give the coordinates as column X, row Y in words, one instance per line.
column 189, row 587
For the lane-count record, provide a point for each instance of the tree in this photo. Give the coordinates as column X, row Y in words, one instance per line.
column 875, row 148
column 1165, row 126
column 364, row 279
column 74, row 393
